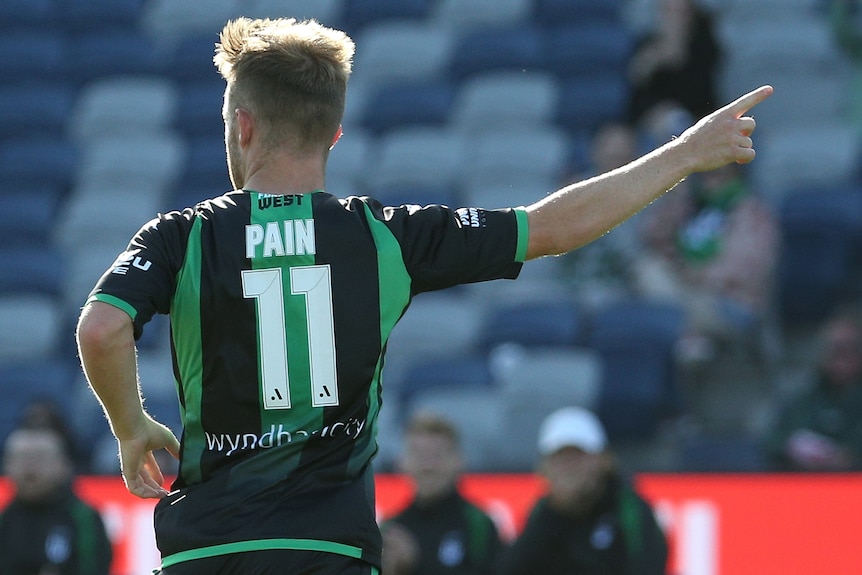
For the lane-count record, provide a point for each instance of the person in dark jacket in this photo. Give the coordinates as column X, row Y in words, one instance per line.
column 819, row 428
column 47, row 529
column 590, row 521
column 440, row 532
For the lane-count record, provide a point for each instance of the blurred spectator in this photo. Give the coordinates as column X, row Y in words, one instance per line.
column 601, row 270
column 590, row 520
column 820, row 428
column 677, row 61
column 713, row 249
column 440, row 532
column 47, row 529
column 846, row 20
column 45, row 414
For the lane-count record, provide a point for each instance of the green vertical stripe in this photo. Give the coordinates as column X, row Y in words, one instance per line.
column 186, row 331
column 394, row 286
column 523, row 234
column 298, row 211
column 85, row 531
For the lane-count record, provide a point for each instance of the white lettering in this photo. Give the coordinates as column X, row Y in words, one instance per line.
column 253, row 238
column 304, row 237
column 142, row 264
column 297, row 238
column 272, row 243
column 288, row 238
column 233, row 446
column 277, row 436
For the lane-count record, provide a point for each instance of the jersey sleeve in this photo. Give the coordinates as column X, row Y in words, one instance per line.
column 142, row 279
column 443, row 247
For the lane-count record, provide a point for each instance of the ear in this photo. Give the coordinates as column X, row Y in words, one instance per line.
column 336, row 137
column 245, row 122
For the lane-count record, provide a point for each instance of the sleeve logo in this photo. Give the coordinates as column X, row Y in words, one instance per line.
column 128, row 259
column 470, row 217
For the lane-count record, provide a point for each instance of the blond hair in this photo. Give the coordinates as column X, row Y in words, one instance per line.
column 291, row 75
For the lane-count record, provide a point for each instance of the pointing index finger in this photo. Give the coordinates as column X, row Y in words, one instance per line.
column 744, row 103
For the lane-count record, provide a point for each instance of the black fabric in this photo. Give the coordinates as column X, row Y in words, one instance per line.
column 455, row 537
column 64, row 534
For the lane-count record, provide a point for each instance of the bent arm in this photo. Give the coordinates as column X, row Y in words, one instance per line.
column 106, row 345
column 578, row 214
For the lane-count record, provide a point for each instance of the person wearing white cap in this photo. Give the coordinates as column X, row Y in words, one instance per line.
column 590, row 521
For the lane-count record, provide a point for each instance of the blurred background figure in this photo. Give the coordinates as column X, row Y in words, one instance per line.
column 600, row 272
column 845, row 16
column 714, row 250
column 590, row 520
column 47, row 529
column 440, row 532
column 678, row 61
column 820, row 427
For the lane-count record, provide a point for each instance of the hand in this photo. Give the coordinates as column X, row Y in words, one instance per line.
column 141, row 472
column 724, row 136
column 400, row 550
column 814, row 451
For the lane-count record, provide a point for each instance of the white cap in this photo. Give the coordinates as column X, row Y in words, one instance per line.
column 572, row 427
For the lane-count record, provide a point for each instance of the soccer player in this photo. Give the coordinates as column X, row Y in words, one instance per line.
column 282, row 297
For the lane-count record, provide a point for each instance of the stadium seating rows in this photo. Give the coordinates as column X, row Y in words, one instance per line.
column 112, row 107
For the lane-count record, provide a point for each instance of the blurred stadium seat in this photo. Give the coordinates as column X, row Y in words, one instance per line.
column 199, row 105
column 821, row 249
column 555, row 323
column 533, row 383
column 33, row 268
column 454, row 372
column 504, row 99
column 204, row 168
column 29, row 14
column 96, row 16
column 351, row 157
column 327, row 12
column 636, row 341
column 417, row 156
column 409, row 104
column 169, row 22
column 25, row 382
column 488, row 49
column 361, row 13
column 588, row 48
column 403, row 51
column 41, row 53
column 38, row 109
column 555, row 12
column 110, row 52
column 37, row 162
column 28, row 214
column 795, row 154
column 123, row 105
column 587, row 102
column 526, row 156
column 480, row 13
column 149, row 160
column 30, row 325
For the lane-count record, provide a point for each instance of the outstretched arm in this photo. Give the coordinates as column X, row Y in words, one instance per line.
column 577, row 214
column 107, row 348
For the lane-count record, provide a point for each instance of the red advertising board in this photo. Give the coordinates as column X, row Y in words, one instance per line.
column 716, row 524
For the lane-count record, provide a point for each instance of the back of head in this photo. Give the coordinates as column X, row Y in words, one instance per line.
column 291, row 75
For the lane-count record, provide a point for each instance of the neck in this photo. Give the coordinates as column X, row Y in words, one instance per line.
column 281, row 174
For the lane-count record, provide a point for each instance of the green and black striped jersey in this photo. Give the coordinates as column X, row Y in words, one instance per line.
column 280, row 310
